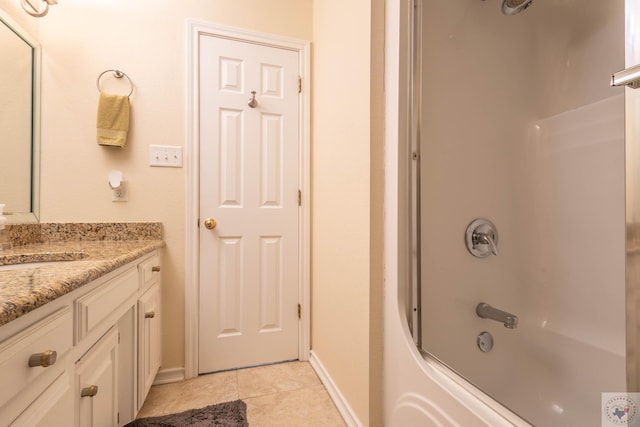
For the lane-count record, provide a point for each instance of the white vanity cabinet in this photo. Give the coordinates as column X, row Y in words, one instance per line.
column 94, row 352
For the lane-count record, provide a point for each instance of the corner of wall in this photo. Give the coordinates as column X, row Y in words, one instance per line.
column 342, row 404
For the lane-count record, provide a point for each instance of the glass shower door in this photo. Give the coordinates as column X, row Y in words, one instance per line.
column 521, row 131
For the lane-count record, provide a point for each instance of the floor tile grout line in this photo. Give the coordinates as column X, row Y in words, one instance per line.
column 284, row 391
column 299, row 387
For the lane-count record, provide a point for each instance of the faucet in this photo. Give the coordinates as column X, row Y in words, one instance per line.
column 481, row 238
column 485, row 311
column 485, row 239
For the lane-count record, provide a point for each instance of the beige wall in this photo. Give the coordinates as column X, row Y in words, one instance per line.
column 81, row 38
column 344, row 280
column 376, row 250
column 11, row 9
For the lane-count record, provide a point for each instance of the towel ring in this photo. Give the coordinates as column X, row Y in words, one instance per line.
column 118, row 75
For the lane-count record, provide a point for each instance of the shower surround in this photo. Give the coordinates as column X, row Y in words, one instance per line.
column 514, row 121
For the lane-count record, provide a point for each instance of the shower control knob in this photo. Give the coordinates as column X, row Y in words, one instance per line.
column 481, row 238
column 210, row 223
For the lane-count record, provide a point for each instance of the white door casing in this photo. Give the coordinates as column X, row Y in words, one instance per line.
column 252, row 269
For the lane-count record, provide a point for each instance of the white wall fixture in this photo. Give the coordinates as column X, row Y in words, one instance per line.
column 121, row 193
column 165, row 156
column 37, row 8
column 118, row 187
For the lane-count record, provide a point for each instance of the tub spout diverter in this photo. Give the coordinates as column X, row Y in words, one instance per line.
column 485, row 311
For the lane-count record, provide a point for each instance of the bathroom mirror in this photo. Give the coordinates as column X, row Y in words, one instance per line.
column 19, row 123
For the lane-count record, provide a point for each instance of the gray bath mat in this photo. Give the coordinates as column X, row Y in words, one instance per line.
column 227, row 414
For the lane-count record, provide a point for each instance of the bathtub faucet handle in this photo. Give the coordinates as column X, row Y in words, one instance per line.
column 486, row 239
column 481, row 238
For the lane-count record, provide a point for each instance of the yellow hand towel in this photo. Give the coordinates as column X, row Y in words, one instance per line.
column 113, row 119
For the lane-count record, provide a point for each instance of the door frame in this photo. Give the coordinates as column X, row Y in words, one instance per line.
column 192, row 242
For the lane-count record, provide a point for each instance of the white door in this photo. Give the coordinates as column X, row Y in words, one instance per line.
column 249, row 181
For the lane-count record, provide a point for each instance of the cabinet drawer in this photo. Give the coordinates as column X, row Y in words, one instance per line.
column 53, row 333
column 149, row 271
column 98, row 304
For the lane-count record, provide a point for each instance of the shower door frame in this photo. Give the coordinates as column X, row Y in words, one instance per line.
column 632, row 223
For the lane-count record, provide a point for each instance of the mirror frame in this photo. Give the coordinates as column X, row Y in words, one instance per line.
column 34, row 215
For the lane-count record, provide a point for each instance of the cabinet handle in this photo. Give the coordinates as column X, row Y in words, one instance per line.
column 44, row 359
column 150, row 315
column 90, row 391
column 155, row 268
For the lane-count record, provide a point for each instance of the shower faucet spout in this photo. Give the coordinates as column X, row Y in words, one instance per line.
column 485, row 311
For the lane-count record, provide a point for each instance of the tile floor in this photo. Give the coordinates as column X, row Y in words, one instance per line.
column 286, row 394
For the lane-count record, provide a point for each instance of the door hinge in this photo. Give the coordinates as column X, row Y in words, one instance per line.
column 198, row 223
column 299, row 311
column 299, row 197
column 118, row 417
column 118, row 337
column 299, row 84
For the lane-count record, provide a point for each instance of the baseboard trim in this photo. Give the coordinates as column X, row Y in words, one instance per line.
column 350, row 417
column 166, row 376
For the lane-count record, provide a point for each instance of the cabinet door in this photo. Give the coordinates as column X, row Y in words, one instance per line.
column 149, row 351
column 54, row 407
column 128, row 366
column 97, row 383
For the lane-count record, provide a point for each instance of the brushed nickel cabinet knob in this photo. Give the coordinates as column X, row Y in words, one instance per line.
column 43, row 359
column 90, row 391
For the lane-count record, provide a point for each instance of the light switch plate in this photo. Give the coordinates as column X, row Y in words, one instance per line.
column 165, row 156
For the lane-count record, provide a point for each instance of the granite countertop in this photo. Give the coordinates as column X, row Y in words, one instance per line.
column 23, row 290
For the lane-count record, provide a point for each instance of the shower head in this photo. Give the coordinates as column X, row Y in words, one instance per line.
column 511, row 7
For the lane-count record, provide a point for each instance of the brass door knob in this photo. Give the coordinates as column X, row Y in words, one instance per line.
column 210, row 223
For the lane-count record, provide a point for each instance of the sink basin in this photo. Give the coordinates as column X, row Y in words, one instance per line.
column 22, row 266
column 35, row 260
